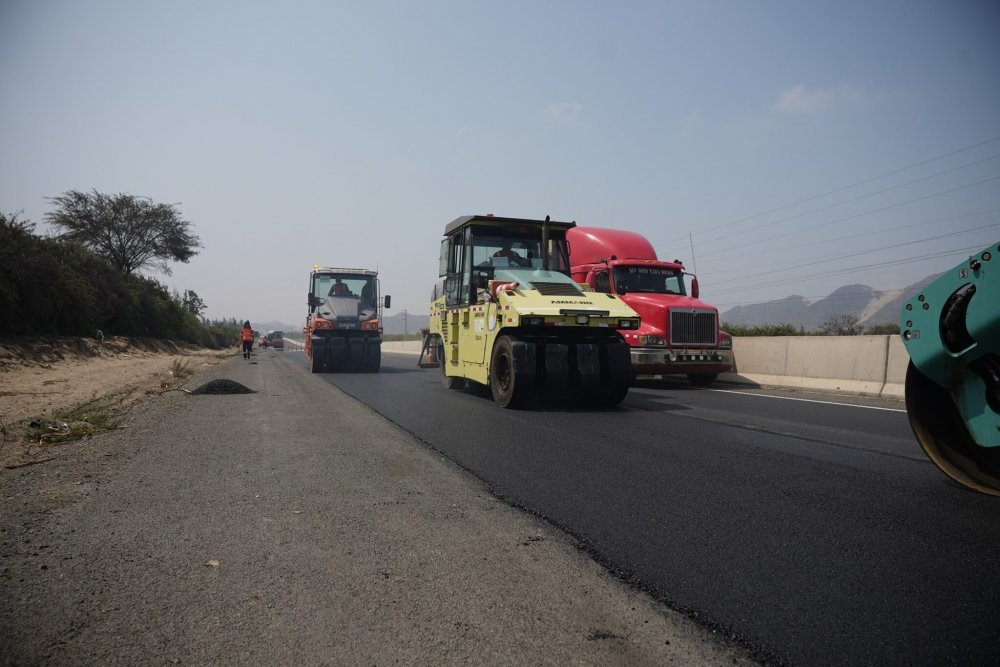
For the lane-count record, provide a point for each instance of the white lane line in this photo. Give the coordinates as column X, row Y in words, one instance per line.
column 807, row 400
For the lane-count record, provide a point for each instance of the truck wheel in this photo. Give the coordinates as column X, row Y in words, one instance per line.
column 509, row 390
column 702, row 379
column 448, row 381
column 614, row 390
column 315, row 365
column 373, row 363
column 337, row 362
column 357, row 364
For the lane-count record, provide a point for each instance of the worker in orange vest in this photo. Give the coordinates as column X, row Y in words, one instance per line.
column 246, row 337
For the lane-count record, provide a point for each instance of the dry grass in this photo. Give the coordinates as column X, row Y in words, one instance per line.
column 98, row 415
column 181, row 369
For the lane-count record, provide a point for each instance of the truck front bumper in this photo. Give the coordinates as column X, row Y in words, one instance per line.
column 659, row 361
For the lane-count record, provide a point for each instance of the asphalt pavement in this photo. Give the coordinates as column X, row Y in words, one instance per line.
column 811, row 530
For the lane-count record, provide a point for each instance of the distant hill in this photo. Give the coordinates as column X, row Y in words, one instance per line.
column 889, row 311
column 869, row 305
column 414, row 322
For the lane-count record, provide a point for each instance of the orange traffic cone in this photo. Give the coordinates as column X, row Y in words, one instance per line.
column 428, row 356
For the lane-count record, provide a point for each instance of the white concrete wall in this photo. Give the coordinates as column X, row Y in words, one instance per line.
column 873, row 365
column 402, row 346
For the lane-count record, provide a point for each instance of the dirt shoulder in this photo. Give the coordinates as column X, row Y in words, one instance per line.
column 48, row 380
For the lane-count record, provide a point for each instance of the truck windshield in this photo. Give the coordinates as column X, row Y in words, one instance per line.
column 344, row 285
column 648, row 279
column 518, row 252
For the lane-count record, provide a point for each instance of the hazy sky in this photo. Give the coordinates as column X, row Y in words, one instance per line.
column 351, row 133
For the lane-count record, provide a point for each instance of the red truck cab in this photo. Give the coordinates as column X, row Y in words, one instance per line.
column 679, row 333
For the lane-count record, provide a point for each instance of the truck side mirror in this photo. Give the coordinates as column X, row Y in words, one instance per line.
column 694, row 287
column 312, row 301
column 388, row 301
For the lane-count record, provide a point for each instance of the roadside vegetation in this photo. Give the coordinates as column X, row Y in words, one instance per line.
column 67, row 285
column 842, row 325
column 181, row 369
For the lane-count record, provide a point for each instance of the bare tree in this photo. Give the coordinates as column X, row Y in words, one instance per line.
column 841, row 325
column 130, row 232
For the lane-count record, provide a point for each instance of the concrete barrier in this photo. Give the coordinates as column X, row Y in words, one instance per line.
column 402, row 346
column 895, row 368
column 869, row 365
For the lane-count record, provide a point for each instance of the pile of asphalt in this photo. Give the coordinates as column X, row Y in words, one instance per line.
column 222, row 386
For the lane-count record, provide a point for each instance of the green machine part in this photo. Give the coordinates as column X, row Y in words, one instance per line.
column 951, row 330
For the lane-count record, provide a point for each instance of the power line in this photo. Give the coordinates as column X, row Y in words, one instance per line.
column 845, row 187
column 862, row 214
column 859, row 198
column 846, row 270
column 822, row 260
column 865, row 234
column 833, row 297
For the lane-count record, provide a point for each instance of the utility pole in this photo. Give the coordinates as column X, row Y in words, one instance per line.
column 694, row 262
column 404, row 324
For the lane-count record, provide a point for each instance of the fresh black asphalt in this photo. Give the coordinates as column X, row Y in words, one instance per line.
column 815, row 534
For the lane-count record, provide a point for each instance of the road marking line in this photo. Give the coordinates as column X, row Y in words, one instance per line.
column 807, row 400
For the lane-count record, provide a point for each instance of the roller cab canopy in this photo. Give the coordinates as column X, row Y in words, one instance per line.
column 480, row 248
column 498, row 221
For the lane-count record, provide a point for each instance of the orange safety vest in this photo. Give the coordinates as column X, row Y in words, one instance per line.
column 246, row 335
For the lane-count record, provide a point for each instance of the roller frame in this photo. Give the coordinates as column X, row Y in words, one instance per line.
column 958, row 361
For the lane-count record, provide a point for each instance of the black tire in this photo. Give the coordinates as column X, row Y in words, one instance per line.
column 448, row 381
column 703, row 379
column 614, row 391
column 337, row 361
column 315, row 365
column 509, row 389
column 373, row 363
column 356, row 364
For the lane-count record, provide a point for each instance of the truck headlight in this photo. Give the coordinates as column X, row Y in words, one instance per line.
column 651, row 340
column 726, row 343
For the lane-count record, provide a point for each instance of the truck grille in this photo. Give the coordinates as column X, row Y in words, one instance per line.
column 693, row 327
column 556, row 289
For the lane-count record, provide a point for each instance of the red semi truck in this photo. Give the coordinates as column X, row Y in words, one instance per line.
column 679, row 333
